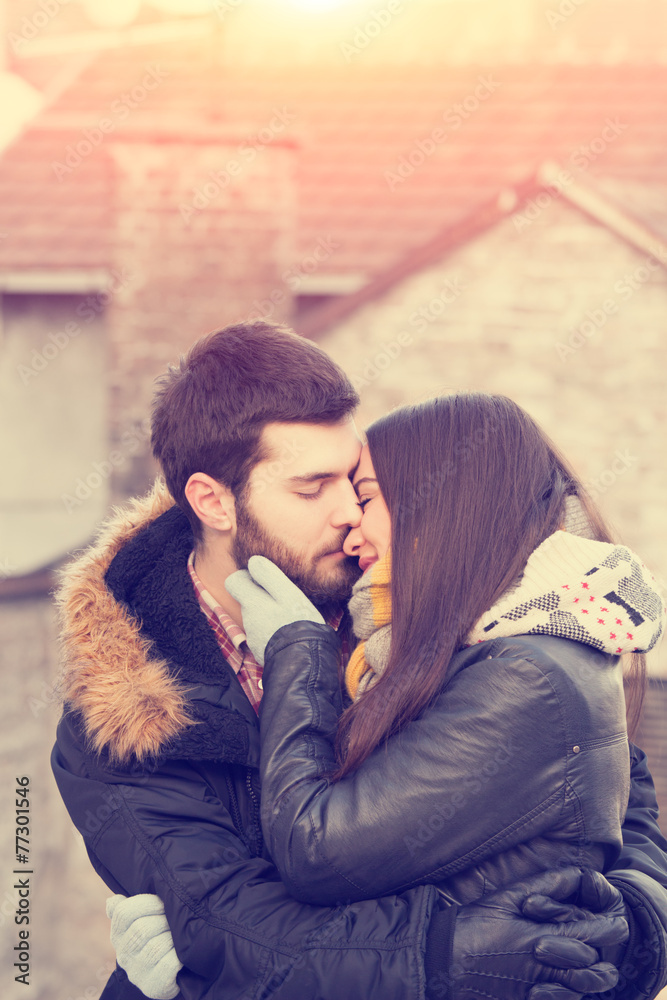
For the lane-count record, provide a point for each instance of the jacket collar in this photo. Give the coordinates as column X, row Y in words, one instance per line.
column 142, row 668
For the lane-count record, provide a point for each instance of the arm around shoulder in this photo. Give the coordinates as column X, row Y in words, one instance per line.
column 233, row 923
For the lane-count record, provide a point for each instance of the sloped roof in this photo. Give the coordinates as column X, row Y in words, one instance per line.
column 628, row 216
column 353, row 126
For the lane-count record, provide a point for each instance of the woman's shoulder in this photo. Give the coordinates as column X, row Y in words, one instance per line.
column 546, row 652
column 539, row 670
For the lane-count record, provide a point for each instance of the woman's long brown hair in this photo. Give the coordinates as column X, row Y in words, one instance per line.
column 473, row 486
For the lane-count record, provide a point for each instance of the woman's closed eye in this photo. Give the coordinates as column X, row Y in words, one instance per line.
column 362, row 503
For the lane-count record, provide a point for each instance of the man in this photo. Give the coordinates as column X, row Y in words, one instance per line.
column 157, row 751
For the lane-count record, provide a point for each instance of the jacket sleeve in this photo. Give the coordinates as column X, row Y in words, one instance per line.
column 417, row 809
column 234, row 925
column 641, row 875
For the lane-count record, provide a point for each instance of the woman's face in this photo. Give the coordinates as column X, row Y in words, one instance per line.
column 371, row 540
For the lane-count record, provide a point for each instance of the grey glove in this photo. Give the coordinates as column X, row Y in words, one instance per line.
column 268, row 601
column 497, row 953
column 143, row 944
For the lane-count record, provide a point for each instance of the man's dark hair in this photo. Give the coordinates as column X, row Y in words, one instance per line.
column 209, row 411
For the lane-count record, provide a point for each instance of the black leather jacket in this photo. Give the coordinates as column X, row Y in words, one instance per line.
column 520, row 765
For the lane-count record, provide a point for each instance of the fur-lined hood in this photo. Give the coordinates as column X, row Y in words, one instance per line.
column 141, row 666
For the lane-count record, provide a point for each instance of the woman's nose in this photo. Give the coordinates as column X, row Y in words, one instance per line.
column 353, row 542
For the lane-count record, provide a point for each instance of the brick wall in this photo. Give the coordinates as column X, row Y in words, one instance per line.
column 202, row 236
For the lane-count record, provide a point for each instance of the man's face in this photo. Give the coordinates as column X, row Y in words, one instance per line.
column 300, row 505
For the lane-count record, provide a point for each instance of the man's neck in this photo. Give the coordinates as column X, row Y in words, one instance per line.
column 213, row 568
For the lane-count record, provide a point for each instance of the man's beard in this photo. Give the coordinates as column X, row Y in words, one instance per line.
column 323, row 589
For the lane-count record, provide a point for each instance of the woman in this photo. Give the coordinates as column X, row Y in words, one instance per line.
column 486, row 738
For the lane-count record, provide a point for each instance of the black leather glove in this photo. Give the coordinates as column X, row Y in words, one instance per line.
column 594, row 896
column 498, row 954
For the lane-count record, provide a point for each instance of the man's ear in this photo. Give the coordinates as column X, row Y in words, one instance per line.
column 212, row 502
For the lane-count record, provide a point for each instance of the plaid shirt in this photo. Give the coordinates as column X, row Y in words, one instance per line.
column 232, row 639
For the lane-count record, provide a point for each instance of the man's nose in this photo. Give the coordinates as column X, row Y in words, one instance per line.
column 349, row 511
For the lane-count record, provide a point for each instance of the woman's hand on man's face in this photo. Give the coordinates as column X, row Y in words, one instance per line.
column 269, row 600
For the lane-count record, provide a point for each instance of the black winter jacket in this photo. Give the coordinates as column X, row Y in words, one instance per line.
column 157, row 759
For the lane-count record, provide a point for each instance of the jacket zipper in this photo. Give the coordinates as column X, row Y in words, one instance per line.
column 259, row 839
column 236, row 812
